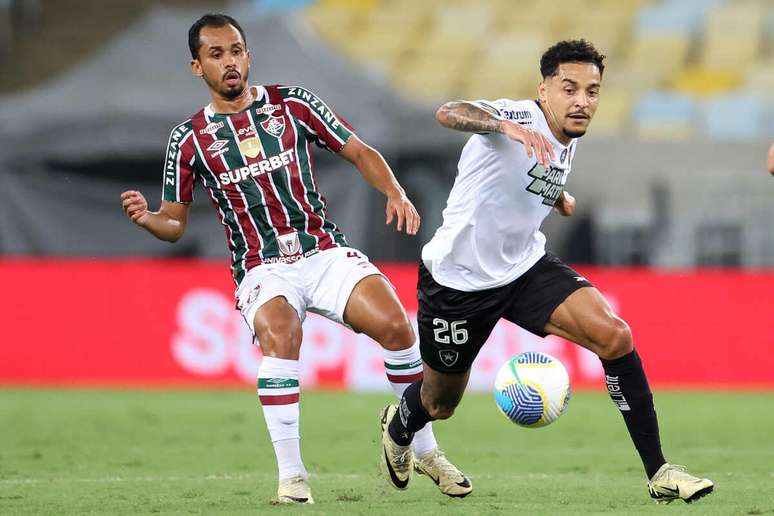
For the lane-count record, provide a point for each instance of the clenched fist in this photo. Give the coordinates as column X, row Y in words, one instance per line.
column 135, row 206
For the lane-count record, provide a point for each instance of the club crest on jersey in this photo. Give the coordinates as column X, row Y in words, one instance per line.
column 274, row 125
column 289, row 244
column 250, row 147
column 253, row 295
column 547, row 183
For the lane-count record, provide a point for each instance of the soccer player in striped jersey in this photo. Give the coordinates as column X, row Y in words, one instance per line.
column 251, row 150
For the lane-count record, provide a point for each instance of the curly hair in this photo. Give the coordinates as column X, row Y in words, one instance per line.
column 570, row 51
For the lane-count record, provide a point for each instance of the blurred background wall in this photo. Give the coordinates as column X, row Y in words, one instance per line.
column 671, row 175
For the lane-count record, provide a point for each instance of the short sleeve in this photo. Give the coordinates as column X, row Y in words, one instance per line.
column 321, row 124
column 489, row 105
column 519, row 111
column 179, row 171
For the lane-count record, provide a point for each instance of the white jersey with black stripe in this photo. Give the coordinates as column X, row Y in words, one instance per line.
column 491, row 225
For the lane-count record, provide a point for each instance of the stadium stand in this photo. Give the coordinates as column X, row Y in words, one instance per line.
column 684, row 52
column 673, row 88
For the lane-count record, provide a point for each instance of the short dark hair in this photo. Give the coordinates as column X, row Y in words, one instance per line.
column 570, row 51
column 209, row 20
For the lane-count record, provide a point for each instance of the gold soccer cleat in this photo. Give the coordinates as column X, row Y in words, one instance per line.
column 397, row 462
column 672, row 482
column 294, row 490
column 450, row 480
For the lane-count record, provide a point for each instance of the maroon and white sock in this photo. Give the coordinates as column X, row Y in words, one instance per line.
column 279, row 394
column 403, row 368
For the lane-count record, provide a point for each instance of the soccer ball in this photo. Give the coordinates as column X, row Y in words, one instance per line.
column 532, row 389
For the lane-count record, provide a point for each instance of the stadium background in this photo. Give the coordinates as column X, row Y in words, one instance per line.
column 674, row 218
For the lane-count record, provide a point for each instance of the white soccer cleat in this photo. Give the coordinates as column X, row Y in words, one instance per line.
column 294, row 490
column 450, row 480
column 397, row 462
column 672, row 482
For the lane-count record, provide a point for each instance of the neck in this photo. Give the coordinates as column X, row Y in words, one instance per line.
column 553, row 123
column 223, row 105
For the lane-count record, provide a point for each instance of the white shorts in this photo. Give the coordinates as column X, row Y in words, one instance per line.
column 321, row 283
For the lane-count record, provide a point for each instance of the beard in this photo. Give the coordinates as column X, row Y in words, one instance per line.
column 570, row 133
column 232, row 92
column 227, row 92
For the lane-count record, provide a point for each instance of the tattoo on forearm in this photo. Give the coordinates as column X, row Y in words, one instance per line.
column 464, row 116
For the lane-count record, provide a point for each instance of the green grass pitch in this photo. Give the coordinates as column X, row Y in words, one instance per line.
column 207, row 452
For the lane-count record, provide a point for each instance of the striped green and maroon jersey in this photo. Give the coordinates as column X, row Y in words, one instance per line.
column 256, row 166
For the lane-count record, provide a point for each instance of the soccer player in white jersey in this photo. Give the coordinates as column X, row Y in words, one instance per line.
column 488, row 261
column 251, row 150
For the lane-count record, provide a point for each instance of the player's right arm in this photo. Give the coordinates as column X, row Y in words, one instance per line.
column 166, row 224
column 463, row 115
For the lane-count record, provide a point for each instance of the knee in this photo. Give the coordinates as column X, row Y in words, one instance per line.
column 280, row 339
column 396, row 334
column 617, row 340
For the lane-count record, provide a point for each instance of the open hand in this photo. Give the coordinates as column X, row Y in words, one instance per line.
column 399, row 206
column 534, row 141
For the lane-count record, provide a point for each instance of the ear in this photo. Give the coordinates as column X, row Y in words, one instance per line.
column 196, row 68
column 542, row 91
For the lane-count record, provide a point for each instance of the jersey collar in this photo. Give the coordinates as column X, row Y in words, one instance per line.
column 259, row 94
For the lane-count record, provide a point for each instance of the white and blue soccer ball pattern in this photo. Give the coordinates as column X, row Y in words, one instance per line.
column 532, row 389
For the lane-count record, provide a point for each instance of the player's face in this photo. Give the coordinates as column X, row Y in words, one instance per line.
column 224, row 61
column 571, row 97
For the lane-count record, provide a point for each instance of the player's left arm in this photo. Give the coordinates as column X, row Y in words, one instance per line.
column 565, row 204
column 377, row 172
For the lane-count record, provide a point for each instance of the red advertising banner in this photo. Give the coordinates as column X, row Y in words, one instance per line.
column 152, row 322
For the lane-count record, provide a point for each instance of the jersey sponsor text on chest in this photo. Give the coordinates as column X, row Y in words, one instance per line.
column 237, row 175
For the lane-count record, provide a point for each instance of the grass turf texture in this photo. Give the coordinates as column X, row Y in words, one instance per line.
column 197, row 452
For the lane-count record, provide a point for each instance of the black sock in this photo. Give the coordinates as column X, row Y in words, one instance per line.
column 629, row 390
column 410, row 417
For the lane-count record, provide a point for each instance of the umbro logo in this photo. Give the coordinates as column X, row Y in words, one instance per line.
column 218, row 147
column 580, row 278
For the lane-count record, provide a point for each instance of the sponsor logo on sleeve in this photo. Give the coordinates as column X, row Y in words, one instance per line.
column 315, row 105
column 523, row 117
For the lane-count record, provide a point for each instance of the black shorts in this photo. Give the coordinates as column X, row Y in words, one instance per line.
column 453, row 325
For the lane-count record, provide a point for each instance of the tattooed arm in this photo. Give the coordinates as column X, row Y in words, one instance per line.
column 467, row 116
column 470, row 117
